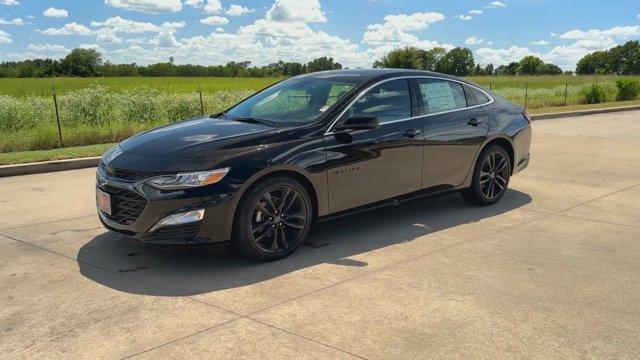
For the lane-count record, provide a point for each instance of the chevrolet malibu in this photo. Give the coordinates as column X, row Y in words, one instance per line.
column 257, row 175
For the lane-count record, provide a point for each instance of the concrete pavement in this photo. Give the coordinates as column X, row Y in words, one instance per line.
column 550, row 272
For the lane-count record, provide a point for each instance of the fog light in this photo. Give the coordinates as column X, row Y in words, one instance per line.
column 179, row 219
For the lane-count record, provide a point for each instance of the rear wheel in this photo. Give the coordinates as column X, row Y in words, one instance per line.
column 490, row 177
column 273, row 219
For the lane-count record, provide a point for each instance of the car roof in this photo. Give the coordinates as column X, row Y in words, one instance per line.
column 366, row 75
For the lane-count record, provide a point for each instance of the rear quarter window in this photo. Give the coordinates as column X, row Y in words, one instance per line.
column 481, row 98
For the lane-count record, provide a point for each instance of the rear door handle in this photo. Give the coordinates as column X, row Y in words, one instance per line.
column 474, row 122
column 412, row 133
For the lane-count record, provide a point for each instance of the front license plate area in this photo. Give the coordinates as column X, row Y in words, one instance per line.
column 103, row 200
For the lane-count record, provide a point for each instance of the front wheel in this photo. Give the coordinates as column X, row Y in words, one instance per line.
column 273, row 219
column 490, row 177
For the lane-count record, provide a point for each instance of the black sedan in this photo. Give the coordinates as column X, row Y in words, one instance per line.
column 314, row 146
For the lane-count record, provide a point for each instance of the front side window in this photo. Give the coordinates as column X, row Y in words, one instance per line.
column 388, row 101
column 297, row 100
column 441, row 95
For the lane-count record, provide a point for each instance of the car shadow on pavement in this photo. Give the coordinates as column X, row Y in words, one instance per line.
column 165, row 272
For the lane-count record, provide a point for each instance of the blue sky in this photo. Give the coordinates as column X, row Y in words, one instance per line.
column 355, row 32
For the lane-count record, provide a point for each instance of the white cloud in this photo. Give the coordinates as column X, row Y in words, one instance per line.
column 540, row 42
column 215, row 20
column 9, row 3
column 5, row 38
column 502, row 56
column 55, row 13
column 174, row 24
column 147, row 6
column 553, row 34
column 92, row 46
column 305, row 11
column 238, row 10
column 565, row 56
column 16, row 21
column 475, row 12
column 616, row 32
column 69, row 29
column 107, row 38
column 119, row 25
column 464, row 17
column 396, row 28
column 48, row 48
column 264, row 41
column 213, row 7
column 474, row 41
column 496, row 4
column 194, row 3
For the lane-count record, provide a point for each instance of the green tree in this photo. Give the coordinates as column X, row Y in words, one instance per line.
column 489, row 70
column 82, row 62
column 530, row 65
column 404, row 58
column 429, row 59
column 322, row 64
column 458, row 62
column 550, row 69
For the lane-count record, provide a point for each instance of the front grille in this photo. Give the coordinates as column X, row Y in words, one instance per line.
column 128, row 175
column 126, row 205
column 178, row 234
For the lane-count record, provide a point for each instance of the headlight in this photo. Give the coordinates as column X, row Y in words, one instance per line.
column 188, row 180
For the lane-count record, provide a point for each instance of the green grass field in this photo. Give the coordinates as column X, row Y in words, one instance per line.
column 44, row 86
column 543, row 82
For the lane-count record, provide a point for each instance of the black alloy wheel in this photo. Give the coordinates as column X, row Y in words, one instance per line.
column 494, row 175
column 273, row 219
column 490, row 178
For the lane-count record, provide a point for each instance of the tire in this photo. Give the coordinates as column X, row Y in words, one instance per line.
column 266, row 228
column 490, row 177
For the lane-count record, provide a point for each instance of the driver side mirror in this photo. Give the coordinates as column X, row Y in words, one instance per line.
column 359, row 122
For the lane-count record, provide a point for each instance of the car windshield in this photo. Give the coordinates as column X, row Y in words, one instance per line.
column 297, row 100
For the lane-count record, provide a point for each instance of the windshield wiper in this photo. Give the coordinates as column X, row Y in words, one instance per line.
column 255, row 120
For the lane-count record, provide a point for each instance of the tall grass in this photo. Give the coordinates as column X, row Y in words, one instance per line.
column 175, row 85
column 94, row 115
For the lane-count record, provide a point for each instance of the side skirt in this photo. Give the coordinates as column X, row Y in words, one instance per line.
column 439, row 190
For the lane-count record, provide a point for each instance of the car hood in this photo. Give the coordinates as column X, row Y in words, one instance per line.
column 192, row 144
column 188, row 136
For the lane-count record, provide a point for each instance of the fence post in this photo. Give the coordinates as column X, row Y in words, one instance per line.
column 566, row 91
column 201, row 102
column 55, row 104
column 526, row 94
column 490, row 86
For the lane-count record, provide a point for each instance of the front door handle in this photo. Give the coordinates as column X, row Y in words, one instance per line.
column 474, row 122
column 412, row 133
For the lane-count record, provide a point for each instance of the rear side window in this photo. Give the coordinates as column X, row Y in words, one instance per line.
column 481, row 98
column 388, row 101
column 441, row 95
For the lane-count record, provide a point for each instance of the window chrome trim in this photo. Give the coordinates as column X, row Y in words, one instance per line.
column 362, row 93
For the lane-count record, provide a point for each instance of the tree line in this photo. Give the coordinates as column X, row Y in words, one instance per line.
column 88, row 63
column 460, row 62
column 619, row 60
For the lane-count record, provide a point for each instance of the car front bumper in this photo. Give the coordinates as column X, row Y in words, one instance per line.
column 138, row 210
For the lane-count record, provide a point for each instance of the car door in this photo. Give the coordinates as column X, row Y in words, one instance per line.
column 367, row 166
column 455, row 127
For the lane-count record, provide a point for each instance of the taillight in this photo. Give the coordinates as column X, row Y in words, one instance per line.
column 526, row 116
